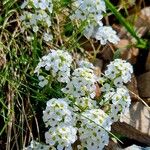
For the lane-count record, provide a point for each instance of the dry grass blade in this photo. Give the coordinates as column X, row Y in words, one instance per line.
column 10, row 99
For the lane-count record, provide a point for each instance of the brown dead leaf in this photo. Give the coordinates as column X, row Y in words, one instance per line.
column 122, row 44
column 98, row 63
column 107, row 53
column 143, row 19
column 127, row 53
column 98, row 91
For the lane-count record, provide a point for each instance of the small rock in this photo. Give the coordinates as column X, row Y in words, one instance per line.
column 112, row 146
column 107, row 53
column 132, row 86
column 144, row 85
column 136, row 124
column 135, row 147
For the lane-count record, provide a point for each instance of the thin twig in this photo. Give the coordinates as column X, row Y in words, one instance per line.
column 140, row 99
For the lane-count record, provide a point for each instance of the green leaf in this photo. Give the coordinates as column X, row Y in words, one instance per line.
column 117, row 54
column 68, row 29
column 141, row 43
column 65, row 2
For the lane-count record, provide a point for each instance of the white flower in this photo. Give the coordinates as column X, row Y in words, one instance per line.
column 89, row 9
column 108, row 96
column 47, row 37
column 36, row 3
column 89, row 30
column 37, row 15
column 120, row 71
column 82, row 83
column 86, row 64
column 84, row 103
column 69, row 88
column 91, row 132
column 63, row 136
column 106, row 87
column 120, row 103
column 118, row 82
column 43, row 5
column 35, row 28
column 106, row 33
column 102, row 80
column 111, row 72
column 24, row 4
column 58, row 63
column 43, row 81
column 57, row 112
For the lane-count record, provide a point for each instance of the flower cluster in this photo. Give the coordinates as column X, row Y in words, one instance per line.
column 89, row 10
column 114, row 92
column 85, row 64
column 82, row 83
column 63, row 136
column 105, row 34
column 84, row 103
column 57, row 63
column 120, row 100
column 62, row 120
column 59, row 118
column 119, row 71
column 92, row 12
column 78, row 116
column 38, row 16
column 93, row 130
column 93, row 133
column 57, row 112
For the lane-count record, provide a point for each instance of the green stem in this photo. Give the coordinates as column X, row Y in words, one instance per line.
column 141, row 43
